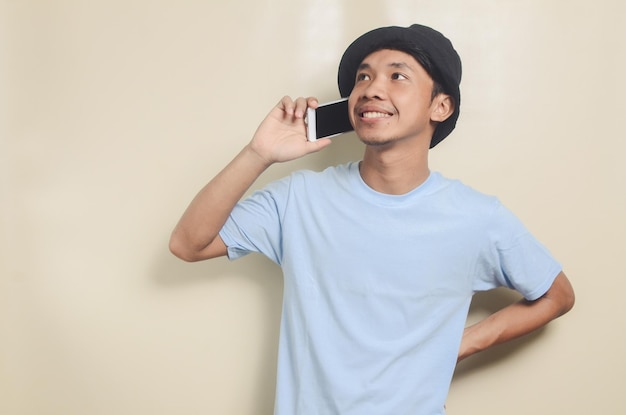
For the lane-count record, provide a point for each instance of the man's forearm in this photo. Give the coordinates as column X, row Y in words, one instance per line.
column 518, row 319
column 209, row 210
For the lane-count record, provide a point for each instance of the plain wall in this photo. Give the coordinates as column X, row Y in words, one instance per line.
column 114, row 113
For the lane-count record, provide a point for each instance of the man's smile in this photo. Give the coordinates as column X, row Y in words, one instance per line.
column 374, row 114
column 373, row 111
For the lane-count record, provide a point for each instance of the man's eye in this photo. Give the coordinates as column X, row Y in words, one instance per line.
column 362, row 77
column 398, row 76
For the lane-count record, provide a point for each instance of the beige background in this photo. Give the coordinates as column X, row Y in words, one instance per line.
column 115, row 112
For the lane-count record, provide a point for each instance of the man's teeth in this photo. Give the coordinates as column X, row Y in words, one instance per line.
column 375, row 115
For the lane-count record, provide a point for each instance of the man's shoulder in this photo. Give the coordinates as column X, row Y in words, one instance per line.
column 462, row 194
column 305, row 181
column 333, row 174
column 338, row 170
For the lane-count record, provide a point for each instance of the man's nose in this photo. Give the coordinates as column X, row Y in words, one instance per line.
column 375, row 89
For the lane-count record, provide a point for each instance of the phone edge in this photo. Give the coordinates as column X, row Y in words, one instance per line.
column 311, row 131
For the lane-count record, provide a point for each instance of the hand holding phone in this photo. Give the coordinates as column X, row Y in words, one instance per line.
column 328, row 120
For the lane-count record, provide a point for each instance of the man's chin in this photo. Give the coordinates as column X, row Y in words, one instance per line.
column 376, row 141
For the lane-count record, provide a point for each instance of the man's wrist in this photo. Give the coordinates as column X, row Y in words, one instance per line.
column 255, row 157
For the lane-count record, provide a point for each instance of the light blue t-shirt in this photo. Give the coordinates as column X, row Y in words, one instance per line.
column 377, row 287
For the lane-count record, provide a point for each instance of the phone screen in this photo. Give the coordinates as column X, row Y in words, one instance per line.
column 332, row 119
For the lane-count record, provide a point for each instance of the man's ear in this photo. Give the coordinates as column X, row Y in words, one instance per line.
column 442, row 107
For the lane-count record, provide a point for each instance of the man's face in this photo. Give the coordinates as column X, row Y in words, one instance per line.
column 391, row 100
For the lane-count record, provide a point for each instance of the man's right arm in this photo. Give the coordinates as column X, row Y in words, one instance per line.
column 280, row 137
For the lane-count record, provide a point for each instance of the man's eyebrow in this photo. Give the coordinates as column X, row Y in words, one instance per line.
column 399, row 65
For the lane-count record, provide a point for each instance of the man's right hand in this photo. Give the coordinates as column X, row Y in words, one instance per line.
column 282, row 134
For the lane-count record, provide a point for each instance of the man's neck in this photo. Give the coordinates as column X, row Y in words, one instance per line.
column 396, row 170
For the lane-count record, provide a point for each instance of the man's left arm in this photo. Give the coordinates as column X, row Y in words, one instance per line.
column 518, row 319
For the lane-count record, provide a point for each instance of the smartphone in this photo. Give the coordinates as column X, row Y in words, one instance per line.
column 328, row 120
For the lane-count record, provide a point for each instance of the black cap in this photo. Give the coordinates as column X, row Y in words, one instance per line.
column 416, row 40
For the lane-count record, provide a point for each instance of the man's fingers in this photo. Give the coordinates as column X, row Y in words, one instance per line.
column 312, row 102
column 287, row 105
column 301, row 106
column 298, row 107
column 319, row 144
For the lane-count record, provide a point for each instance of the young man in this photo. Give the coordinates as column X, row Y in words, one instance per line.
column 380, row 257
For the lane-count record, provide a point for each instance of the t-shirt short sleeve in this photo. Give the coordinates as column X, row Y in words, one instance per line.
column 515, row 258
column 254, row 225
